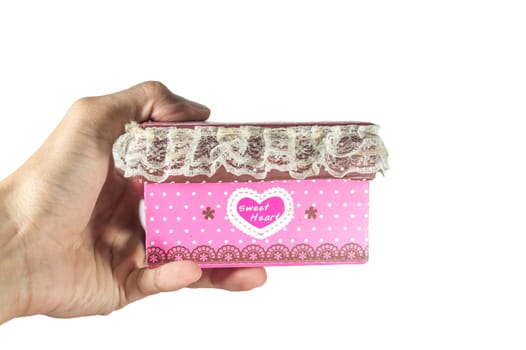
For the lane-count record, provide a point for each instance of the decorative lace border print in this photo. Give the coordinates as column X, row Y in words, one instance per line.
column 255, row 254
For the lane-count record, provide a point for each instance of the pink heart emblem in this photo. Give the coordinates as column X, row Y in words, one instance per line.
column 261, row 214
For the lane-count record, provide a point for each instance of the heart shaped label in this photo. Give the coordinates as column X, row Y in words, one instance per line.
column 260, row 215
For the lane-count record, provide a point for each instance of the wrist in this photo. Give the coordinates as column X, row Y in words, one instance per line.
column 12, row 291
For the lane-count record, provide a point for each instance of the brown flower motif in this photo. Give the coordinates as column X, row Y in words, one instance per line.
column 311, row 213
column 208, row 213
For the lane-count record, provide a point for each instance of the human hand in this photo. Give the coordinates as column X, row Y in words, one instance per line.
column 71, row 243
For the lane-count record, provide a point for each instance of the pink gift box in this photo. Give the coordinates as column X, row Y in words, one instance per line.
column 232, row 195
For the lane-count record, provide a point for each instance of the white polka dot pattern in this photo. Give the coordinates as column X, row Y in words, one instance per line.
column 329, row 224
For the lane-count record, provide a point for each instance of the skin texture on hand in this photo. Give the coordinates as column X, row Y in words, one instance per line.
column 71, row 243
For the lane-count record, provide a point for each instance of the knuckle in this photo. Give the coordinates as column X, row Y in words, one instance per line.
column 83, row 104
column 153, row 87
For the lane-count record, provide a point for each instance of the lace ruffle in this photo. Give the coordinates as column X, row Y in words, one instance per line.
column 159, row 153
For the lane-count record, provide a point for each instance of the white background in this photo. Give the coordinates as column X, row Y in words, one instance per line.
column 446, row 80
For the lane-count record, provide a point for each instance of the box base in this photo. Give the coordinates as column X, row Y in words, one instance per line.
column 263, row 223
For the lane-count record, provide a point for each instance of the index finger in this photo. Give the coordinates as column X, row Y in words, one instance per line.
column 104, row 117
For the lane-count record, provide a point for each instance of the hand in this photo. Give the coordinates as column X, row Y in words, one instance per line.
column 70, row 237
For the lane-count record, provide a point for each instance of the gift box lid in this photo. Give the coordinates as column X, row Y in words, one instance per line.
column 180, row 152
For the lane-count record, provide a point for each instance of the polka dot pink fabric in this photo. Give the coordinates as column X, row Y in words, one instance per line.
column 229, row 224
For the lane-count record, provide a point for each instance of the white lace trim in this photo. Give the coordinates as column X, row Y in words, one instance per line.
column 158, row 153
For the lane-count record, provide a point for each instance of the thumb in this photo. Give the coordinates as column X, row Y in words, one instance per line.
column 165, row 278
